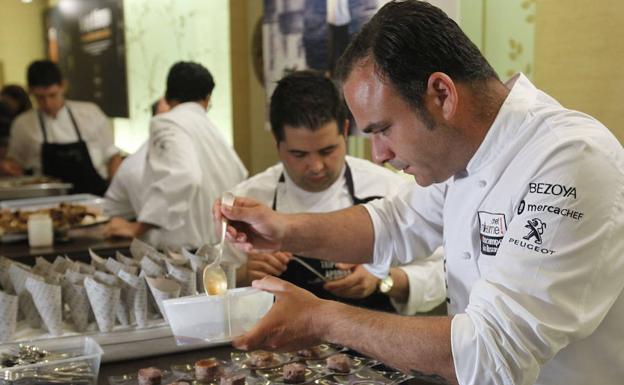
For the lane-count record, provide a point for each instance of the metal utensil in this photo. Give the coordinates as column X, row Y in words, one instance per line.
column 307, row 266
column 215, row 280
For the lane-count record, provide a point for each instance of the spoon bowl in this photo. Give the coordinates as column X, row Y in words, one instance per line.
column 215, row 280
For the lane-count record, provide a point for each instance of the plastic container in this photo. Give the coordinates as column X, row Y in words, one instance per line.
column 81, row 365
column 201, row 318
column 40, row 231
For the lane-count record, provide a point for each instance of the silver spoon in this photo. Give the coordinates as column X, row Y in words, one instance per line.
column 215, row 280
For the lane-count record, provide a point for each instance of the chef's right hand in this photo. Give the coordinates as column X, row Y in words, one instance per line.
column 252, row 226
column 259, row 265
column 10, row 167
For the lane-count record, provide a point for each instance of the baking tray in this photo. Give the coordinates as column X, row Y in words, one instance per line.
column 31, row 187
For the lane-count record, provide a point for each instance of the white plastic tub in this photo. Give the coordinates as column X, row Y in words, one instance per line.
column 201, row 318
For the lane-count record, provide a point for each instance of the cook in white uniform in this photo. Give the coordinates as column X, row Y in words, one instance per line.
column 526, row 196
column 189, row 164
column 70, row 140
column 309, row 126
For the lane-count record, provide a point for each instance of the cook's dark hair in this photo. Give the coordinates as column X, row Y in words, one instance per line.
column 188, row 82
column 43, row 73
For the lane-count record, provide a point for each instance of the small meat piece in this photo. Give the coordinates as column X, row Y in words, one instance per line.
column 261, row 359
column 180, row 383
column 150, row 376
column 340, row 363
column 233, row 379
column 313, row 352
column 294, row 373
column 208, row 370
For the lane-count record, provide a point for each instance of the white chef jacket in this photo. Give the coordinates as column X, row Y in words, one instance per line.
column 189, row 165
column 532, row 234
column 124, row 196
column 426, row 277
column 26, row 137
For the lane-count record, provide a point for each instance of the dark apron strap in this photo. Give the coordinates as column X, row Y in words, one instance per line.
column 300, row 276
column 43, row 127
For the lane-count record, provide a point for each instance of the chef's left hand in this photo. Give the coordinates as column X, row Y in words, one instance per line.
column 292, row 323
column 359, row 284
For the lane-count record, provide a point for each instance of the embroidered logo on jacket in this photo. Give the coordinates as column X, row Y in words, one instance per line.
column 492, row 228
column 536, row 229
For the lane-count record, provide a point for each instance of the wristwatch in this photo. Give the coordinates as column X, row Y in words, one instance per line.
column 385, row 285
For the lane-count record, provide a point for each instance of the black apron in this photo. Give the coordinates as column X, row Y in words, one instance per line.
column 71, row 162
column 302, row 277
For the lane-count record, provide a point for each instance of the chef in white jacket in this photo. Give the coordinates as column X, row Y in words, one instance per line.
column 189, row 164
column 526, row 196
column 309, row 124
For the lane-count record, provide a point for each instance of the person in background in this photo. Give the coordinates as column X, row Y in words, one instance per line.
column 5, row 126
column 526, row 196
column 70, row 140
column 309, row 124
column 189, row 164
column 17, row 99
column 123, row 198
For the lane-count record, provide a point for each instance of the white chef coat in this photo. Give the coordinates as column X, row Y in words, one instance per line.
column 26, row 136
column 426, row 277
column 189, row 165
column 124, row 196
column 533, row 245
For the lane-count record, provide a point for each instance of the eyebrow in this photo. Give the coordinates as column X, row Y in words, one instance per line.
column 376, row 126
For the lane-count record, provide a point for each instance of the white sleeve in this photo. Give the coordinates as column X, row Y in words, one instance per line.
column 20, row 144
column 427, row 285
column 117, row 199
column 172, row 176
column 407, row 225
column 542, row 295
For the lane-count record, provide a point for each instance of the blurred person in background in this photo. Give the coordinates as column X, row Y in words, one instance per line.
column 70, row 140
column 16, row 98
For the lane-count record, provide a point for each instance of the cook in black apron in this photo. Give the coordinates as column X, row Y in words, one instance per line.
column 71, row 162
column 302, row 277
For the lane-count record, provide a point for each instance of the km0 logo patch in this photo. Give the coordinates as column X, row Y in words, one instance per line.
column 536, row 229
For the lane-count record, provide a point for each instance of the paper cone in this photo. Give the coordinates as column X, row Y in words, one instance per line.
column 47, row 299
column 42, row 266
column 84, row 268
column 126, row 260
column 18, row 276
column 162, row 289
column 104, row 300
column 60, row 264
column 8, row 316
column 185, row 277
column 139, row 249
column 113, row 281
column 152, row 306
column 175, row 255
column 75, row 295
column 98, row 262
column 197, row 264
column 135, row 290
column 5, row 281
column 113, row 266
column 74, row 276
column 151, row 268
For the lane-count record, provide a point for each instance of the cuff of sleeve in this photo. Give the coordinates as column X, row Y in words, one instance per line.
column 379, row 271
column 382, row 250
column 415, row 301
column 463, row 340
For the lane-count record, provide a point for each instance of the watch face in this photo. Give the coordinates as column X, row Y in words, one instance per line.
column 385, row 285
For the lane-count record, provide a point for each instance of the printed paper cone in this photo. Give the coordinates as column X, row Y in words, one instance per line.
column 162, row 289
column 185, row 277
column 5, row 281
column 47, row 299
column 152, row 306
column 76, row 298
column 197, row 264
column 109, row 279
column 112, row 280
column 174, row 255
column 18, row 276
column 139, row 249
column 8, row 316
column 151, row 268
column 135, row 291
column 84, row 268
column 104, row 300
column 113, row 266
column 74, row 277
column 60, row 264
column 96, row 261
column 42, row 266
column 126, row 260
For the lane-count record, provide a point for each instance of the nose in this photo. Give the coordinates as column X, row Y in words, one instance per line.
column 380, row 150
column 316, row 164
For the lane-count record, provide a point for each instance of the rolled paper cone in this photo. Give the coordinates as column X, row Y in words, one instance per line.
column 139, row 249
column 60, row 264
column 106, row 278
column 112, row 280
column 162, row 289
column 42, row 266
column 74, row 276
column 8, row 316
column 104, row 300
column 152, row 306
column 98, row 262
column 76, row 298
column 136, row 297
column 113, row 266
column 197, row 264
column 157, row 257
column 175, row 255
column 18, row 276
column 47, row 299
column 185, row 277
column 151, row 268
column 126, row 260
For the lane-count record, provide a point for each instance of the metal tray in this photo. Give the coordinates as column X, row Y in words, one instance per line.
column 31, row 187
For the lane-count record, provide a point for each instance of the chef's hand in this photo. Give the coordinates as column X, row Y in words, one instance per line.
column 359, row 284
column 291, row 324
column 259, row 265
column 253, row 226
column 119, row 227
column 10, row 167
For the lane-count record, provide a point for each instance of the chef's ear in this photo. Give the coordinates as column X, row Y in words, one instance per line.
column 345, row 128
column 442, row 94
